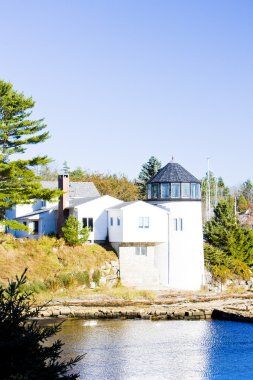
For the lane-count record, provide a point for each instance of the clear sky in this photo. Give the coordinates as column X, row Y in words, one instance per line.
column 119, row 81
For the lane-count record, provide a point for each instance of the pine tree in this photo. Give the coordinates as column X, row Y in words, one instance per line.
column 23, row 352
column 148, row 170
column 242, row 203
column 18, row 182
column 224, row 232
column 73, row 233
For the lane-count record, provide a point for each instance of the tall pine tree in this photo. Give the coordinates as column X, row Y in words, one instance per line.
column 18, row 182
column 148, row 170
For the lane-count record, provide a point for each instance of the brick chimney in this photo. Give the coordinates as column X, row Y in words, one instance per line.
column 63, row 184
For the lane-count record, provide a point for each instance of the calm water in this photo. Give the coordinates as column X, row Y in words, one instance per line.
column 145, row 350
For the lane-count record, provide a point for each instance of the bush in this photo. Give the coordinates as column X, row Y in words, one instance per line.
column 96, row 276
column 65, row 280
column 73, row 233
column 23, row 352
column 83, row 278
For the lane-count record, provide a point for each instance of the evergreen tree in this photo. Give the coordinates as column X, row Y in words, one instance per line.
column 24, row 351
column 224, row 232
column 73, row 233
column 242, row 203
column 78, row 174
column 247, row 190
column 148, row 170
column 18, row 182
column 65, row 168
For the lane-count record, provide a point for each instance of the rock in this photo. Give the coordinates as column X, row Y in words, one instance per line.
column 102, row 281
column 92, row 285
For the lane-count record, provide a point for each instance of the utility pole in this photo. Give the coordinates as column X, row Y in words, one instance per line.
column 208, row 195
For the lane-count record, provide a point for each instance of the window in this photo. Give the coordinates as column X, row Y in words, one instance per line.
column 43, row 203
column 25, row 223
column 149, row 191
column 143, row 222
column 165, row 190
column 185, row 190
column 178, row 224
column 88, row 222
column 111, row 221
column 118, row 221
column 175, row 190
column 154, row 190
column 195, row 190
column 141, row 251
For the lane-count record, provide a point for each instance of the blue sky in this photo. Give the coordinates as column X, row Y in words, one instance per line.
column 119, row 81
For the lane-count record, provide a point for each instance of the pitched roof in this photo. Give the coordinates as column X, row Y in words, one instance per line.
column 76, row 189
column 173, row 172
column 79, row 201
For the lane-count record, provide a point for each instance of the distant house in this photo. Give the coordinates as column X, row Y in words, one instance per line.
column 159, row 241
column 42, row 217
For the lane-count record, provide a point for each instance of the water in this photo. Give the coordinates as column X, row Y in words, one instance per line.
column 145, row 350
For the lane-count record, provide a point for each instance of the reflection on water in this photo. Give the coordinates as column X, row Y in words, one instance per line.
column 136, row 350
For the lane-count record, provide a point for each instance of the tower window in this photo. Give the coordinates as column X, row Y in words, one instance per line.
column 154, row 190
column 175, row 190
column 165, row 190
column 185, row 190
column 195, row 190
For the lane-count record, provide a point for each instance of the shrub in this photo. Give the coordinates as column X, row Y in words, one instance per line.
column 96, row 276
column 73, row 233
column 83, row 278
column 65, row 280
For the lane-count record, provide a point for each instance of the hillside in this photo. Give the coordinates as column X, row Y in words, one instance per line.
column 52, row 265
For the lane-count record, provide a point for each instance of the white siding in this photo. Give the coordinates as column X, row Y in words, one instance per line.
column 130, row 230
column 97, row 209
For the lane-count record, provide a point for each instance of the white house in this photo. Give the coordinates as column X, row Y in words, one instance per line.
column 159, row 242
column 137, row 231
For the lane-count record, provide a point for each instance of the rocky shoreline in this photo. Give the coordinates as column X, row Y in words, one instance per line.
column 204, row 307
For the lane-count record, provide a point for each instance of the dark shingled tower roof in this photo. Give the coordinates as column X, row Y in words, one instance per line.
column 175, row 173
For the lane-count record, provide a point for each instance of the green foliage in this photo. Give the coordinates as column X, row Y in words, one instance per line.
column 78, row 174
column 83, row 278
column 65, row 167
column 148, row 170
column 242, row 204
column 24, row 354
column 73, row 233
column 247, row 190
column 229, row 248
column 96, row 276
column 18, row 182
column 224, row 231
column 14, row 225
column 65, row 280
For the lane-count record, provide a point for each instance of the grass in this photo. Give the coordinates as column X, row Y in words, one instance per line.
column 51, row 264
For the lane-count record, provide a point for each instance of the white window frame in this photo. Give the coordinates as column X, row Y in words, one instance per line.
column 143, row 221
column 141, row 251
